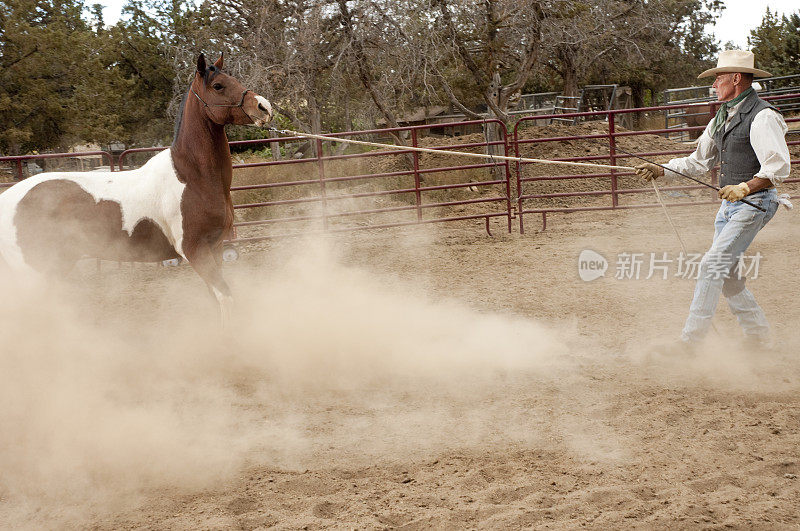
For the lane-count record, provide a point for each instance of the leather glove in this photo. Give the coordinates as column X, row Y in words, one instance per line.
column 648, row 171
column 734, row 192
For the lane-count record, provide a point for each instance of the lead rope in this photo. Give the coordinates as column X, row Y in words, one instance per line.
column 489, row 156
column 492, row 157
column 446, row 152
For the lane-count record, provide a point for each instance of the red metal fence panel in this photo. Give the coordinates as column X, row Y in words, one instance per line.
column 609, row 140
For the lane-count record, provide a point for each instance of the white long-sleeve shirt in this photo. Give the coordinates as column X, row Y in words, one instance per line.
column 767, row 137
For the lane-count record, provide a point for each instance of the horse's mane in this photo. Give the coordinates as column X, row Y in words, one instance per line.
column 180, row 118
column 208, row 76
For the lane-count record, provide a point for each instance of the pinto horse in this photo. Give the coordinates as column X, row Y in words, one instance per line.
column 177, row 205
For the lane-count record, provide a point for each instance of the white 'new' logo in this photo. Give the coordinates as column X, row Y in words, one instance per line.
column 591, row 265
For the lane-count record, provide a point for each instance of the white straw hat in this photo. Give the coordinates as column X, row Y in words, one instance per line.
column 735, row 61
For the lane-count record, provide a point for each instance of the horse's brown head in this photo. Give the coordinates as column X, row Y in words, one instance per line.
column 225, row 100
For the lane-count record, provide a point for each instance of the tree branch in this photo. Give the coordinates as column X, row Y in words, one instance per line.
column 468, row 113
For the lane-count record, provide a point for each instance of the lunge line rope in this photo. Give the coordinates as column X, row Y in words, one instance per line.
column 447, row 152
column 485, row 156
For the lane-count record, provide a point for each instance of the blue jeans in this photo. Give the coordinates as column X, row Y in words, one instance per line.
column 735, row 227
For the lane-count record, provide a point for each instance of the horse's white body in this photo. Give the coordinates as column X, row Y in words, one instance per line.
column 150, row 192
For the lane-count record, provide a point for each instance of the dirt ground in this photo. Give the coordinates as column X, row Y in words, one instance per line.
column 431, row 377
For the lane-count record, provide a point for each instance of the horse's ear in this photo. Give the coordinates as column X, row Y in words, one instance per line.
column 201, row 64
column 218, row 64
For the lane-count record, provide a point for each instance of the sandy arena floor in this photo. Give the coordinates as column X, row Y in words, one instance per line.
column 405, row 379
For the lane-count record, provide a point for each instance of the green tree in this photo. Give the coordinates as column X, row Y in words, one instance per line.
column 67, row 79
column 766, row 41
column 138, row 78
column 790, row 59
column 44, row 47
column 776, row 43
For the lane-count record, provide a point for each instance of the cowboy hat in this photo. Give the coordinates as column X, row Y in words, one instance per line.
column 730, row 61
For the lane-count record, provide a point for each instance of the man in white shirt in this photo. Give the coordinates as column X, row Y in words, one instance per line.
column 747, row 139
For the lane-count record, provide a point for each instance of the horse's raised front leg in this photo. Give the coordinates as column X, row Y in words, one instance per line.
column 203, row 258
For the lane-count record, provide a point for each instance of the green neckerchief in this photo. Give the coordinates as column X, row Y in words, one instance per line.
column 722, row 113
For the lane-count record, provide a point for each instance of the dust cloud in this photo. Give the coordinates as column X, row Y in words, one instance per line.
column 115, row 389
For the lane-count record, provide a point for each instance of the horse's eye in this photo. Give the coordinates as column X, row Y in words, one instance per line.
column 218, row 86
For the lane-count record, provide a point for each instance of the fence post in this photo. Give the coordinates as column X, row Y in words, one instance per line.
column 519, row 178
column 321, row 173
column 416, row 175
column 19, row 169
column 508, row 176
column 612, row 149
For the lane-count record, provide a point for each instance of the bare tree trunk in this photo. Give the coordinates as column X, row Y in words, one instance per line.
column 568, row 71
column 491, row 130
column 570, row 84
column 637, row 95
column 365, row 75
column 275, row 148
column 348, row 120
column 316, row 121
column 364, row 72
column 348, row 125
